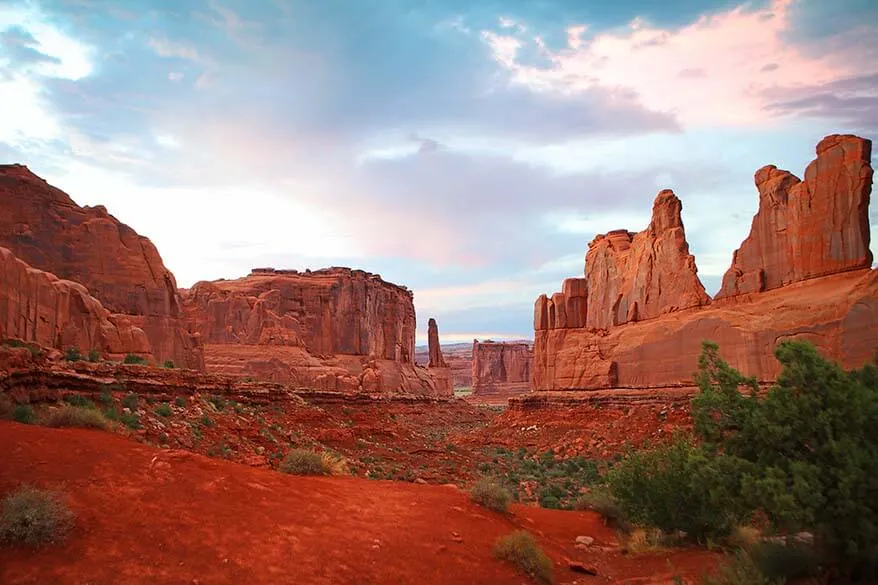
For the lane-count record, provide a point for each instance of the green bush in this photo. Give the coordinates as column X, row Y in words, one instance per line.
column 76, row 416
column 135, row 360
column 164, row 409
column 130, row 401
column 218, row 402
column 24, row 413
column 34, row 517
column 490, row 494
column 180, row 401
column 94, row 355
column 72, row 354
column 678, row 487
column 520, row 549
column 779, row 561
column 601, row 500
column 168, row 364
column 130, row 420
column 79, row 400
column 304, row 462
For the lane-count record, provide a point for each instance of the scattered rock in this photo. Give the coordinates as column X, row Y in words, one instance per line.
column 578, row 567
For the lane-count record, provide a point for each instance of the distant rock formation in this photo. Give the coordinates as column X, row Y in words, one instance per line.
column 435, row 351
column 333, row 329
column 39, row 307
column 43, row 227
column 803, row 273
column 501, row 367
column 809, row 228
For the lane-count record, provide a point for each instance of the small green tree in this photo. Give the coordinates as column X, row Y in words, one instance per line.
column 94, row 355
column 72, row 354
column 135, row 360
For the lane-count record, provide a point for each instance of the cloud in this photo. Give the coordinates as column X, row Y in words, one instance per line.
column 173, row 49
column 852, row 102
column 727, row 62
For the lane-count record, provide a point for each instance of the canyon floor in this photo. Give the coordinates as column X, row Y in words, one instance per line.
column 191, row 496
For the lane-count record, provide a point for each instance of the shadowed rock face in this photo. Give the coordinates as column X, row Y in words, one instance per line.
column 38, row 306
column 809, row 228
column 43, row 227
column 501, row 367
column 640, row 314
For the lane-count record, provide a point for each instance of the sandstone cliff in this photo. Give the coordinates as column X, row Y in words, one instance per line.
column 809, row 228
column 646, row 314
column 334, row 329
column 42, row 226
column 39, row 307
column 501, row 367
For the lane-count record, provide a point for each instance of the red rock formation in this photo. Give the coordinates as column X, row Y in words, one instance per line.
column 501, row 367
column 335, row 329
column 809, row 228
column 632, row 277
column 42, row 226
column 436, row 359
column 647, row 314
column 39, row 307
column 837, row 313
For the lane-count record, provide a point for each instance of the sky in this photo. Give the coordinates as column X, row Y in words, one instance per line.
column 467, row 150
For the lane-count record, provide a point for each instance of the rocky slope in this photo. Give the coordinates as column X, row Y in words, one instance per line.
column 43, row 227
column 646, row 312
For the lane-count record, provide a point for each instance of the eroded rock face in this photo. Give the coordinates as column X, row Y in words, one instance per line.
column 632, row 277
column 501, row 367
column 42, row 226
column 809, row 228
column 39, row 307
column 335, row 329
column 331, row 311
column 803, row 273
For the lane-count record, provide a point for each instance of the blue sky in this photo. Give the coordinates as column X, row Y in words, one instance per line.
column 469, row 150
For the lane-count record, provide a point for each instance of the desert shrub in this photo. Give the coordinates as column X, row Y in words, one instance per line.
column 741, row 571
column 520, row 549
column 180, row 401
column 218, row 402
column 490, row 494
column 304, row 462
column 784, row 561
column 169, row 364
column 130, row 420
column 677, row 487
column 601, row 500
column 34, row 517
column 135, row 359
column 336, row 464
column 72, row 354
column 79, row 400
column 24, row 413
column 94, row 355
column 130, row 401
column 164, row 409
column 76, row 416
column 207, row 421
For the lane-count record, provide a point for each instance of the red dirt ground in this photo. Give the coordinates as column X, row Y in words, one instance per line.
column 146, row 515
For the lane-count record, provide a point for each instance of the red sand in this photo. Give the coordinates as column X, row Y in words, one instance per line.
column 146, row 515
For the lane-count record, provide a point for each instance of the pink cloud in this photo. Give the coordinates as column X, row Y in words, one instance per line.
column 740, row 55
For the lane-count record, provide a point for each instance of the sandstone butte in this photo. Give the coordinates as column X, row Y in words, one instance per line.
column 638, row 317
column 335, row 329
column 503, row 368
column 43, row 227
